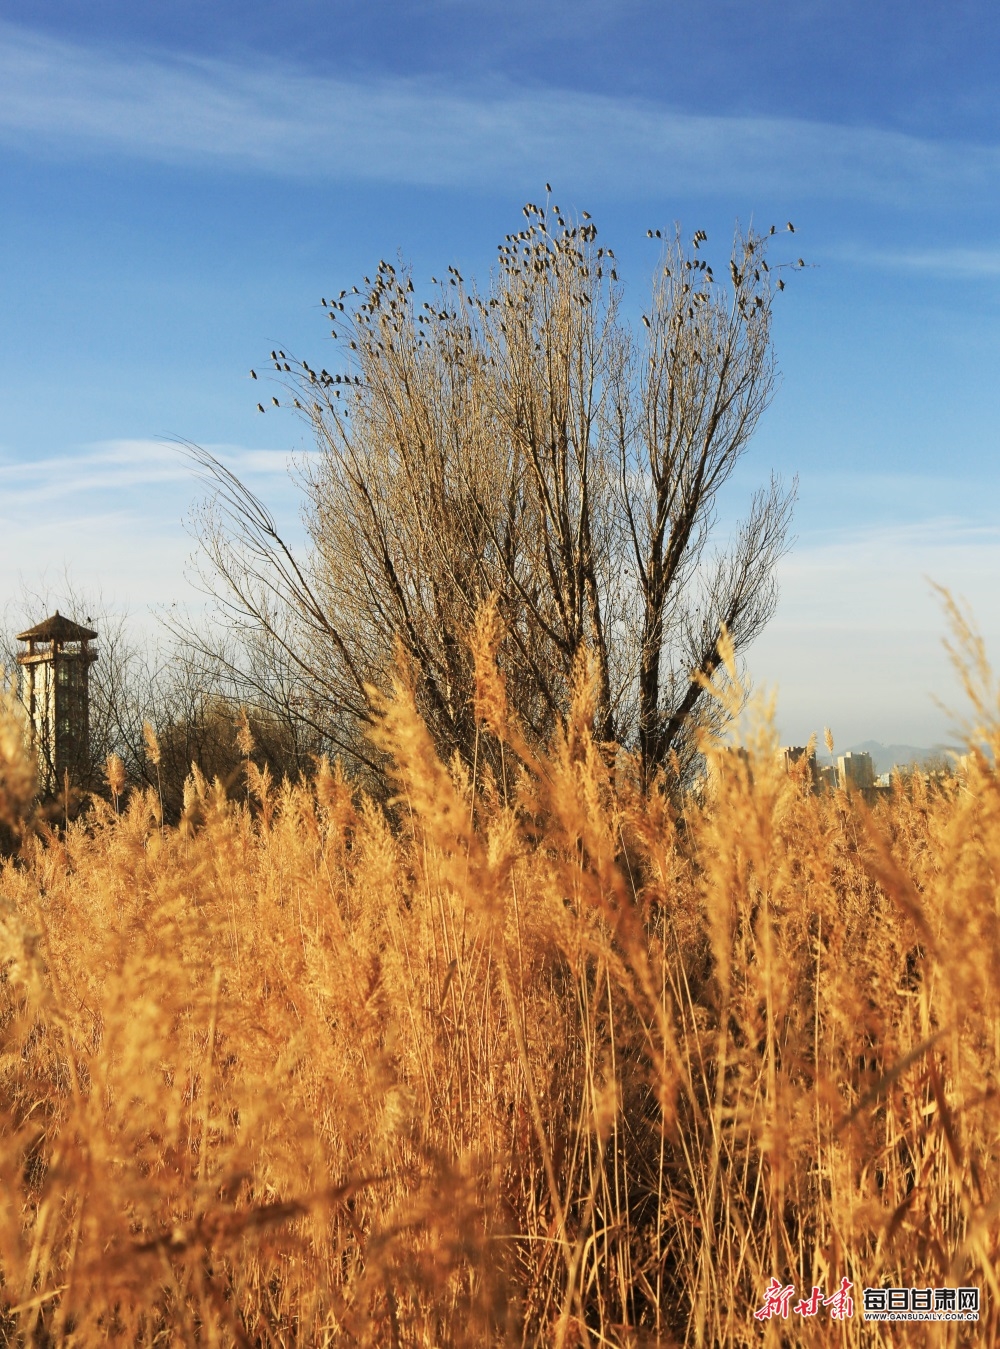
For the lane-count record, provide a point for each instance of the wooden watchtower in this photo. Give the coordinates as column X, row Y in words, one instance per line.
column 55, row 672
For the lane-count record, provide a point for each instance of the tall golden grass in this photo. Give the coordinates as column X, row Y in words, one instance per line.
column 527, row 1060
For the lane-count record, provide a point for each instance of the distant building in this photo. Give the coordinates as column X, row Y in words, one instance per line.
column 790, row 755
column 55, row 673
column 856, row 770
column 821, row 778
column 728, row 760
column 793, row 754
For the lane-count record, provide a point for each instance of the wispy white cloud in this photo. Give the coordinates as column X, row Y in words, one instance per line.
column 284, row 120
column 958, row 263
column 112, row 515
column 116, row 467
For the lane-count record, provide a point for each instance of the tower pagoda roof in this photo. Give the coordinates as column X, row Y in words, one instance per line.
column 57, row 628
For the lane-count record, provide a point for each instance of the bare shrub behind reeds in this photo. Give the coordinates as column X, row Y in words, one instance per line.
column 545, row 1062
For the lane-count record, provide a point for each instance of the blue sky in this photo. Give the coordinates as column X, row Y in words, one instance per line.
column 181, row 182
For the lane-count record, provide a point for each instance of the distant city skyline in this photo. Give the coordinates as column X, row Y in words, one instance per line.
column 183, row 183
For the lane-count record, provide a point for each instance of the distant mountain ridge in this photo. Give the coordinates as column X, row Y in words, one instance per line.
column 887, row 757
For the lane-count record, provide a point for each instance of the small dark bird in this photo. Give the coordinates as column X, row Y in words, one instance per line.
column 645, row 320
column 260, row 407
column 253, row 374
column 275, row 402
column 649, row 234
column 409, row 287
column 772, row 229
column 801, row 262
column 790, row 228
column 324, row 304
column 659, row 235
column 548, row 187
column 781, row 285
column 274, row 355
column 586, row 215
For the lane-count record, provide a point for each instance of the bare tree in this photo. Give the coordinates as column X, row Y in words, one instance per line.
column 525, row 446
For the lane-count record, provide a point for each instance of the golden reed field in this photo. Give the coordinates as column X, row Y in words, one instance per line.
column 538, row 1061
